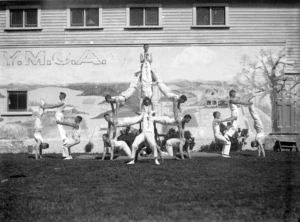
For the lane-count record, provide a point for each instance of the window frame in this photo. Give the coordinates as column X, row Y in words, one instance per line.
column 23, row 8
column 159, row 26
column 226, row 7
column 23, row 112
column 84, row 7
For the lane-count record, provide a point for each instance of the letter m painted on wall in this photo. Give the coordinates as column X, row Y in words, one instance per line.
column 35, row 60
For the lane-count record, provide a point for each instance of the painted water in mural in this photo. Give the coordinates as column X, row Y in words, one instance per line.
column 205, row 74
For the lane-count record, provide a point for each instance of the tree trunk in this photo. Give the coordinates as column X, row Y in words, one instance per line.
column 274, row 116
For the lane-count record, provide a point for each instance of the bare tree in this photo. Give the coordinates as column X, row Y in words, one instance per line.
column 267, row 76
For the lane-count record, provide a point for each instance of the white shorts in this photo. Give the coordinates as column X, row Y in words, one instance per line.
column 38, row 136
column 59, row 116
column 175, row 142
column 260, row 137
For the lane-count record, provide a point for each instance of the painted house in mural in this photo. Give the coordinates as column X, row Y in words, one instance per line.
column 89, row 48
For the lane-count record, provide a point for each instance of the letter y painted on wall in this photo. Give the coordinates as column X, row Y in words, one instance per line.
column 10, row 59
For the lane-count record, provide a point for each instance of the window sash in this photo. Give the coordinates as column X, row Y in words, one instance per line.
column 205, row 12
column 87, row 17
column 17, row 101
column 151, row 16
column 210, row 15
column 144, row 16
column 94, row 18
column 31, row 21
column 13, row 13
column 218, row 15
column 136, row 16
column 26, row 17
column 77, row 17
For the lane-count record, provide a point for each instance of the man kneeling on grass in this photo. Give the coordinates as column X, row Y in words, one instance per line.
column 75, row 139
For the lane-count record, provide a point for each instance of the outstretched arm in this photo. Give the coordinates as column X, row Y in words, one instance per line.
column 130, row 121
column 53, row 106
column 74, row 125
column 225, row 120
column 239, row 102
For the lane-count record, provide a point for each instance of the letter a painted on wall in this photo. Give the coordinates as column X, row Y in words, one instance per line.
column 88, row 57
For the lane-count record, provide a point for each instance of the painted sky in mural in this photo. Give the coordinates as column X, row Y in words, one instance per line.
column 118, row 64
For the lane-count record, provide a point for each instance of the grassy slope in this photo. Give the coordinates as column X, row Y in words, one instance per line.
column 242, row 188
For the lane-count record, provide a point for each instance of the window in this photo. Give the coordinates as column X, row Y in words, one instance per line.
column 23, row 17
column 143, row 16
column 16, row 100
column 84, row 17
column 210, row 15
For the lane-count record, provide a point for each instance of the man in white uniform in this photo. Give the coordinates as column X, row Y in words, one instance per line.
column 74, row 139
column 59, row 115
column 258, row 126
column 112, row 137
column 233, row 102
column 218, row 135
column 38, row 131
column 147, row 135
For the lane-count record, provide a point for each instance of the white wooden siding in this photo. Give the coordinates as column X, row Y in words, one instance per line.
column 250, row 24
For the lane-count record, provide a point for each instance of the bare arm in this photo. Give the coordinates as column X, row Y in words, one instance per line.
column 238, row 102
column 181, row 150
column 175, row 109
column 225, row 120
column 133, row 120
column 142, row 58
column 74, row 125
column 53, row 106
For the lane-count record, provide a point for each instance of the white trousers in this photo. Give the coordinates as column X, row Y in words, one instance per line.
column 38, row 136
column 174, row 143
column 144, row 136
column 226, row 144
column 61, row 130
column 71, row 142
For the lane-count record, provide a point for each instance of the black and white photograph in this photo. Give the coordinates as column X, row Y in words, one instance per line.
column 149, row 110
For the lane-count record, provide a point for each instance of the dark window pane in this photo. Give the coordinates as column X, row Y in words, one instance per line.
column 16, row 18
column 203, row 16
column 31, row 19
column 22, row 100
column 17, row 101
column 92, row 17
column 136, row 16
column 77, row 17
column 13, row 101
column 151, row 16
column 218, row 16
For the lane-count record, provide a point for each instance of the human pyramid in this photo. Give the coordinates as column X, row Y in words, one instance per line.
column 147, row 119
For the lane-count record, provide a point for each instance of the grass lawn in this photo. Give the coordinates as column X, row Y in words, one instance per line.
column 241, row 188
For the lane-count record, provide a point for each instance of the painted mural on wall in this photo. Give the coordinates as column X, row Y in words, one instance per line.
column 205, row 74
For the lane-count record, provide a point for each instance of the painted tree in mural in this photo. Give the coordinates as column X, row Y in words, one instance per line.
column 266, row 76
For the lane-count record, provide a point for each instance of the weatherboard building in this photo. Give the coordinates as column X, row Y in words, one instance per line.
column 88, row 48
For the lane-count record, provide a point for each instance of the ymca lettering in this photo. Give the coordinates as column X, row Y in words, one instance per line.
column 19, row 58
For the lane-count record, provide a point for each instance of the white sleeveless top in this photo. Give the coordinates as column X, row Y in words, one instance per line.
column 216, row 127
column 234, row 110
column 61, row 108
column 38, row 124
column 76, row 132
column 148, row 125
